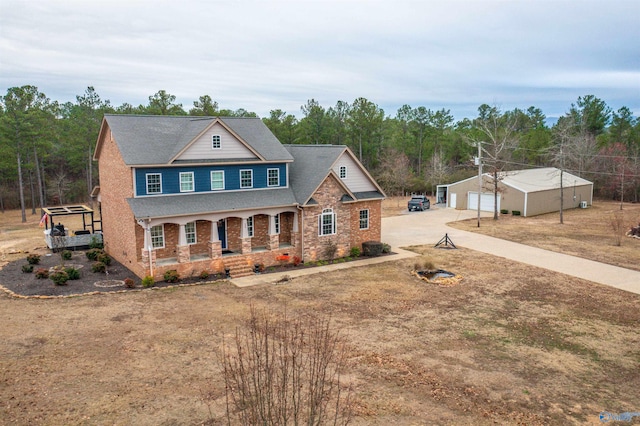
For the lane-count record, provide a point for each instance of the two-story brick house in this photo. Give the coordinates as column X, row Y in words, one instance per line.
column 215, row 193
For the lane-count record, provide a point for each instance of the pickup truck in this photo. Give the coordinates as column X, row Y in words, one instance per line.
column 418, row 202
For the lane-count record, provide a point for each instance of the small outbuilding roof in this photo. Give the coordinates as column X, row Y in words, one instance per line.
column 542, row 179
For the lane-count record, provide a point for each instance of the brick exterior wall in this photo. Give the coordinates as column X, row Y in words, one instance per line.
column 374, row 233
column 118, row 223
column 328, row 197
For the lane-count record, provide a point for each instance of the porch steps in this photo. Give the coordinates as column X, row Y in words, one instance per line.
column 238, row 267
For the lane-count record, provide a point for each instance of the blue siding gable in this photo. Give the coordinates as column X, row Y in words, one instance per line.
column 170, row 177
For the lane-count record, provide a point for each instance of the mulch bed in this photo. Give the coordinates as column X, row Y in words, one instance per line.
column 19, row 283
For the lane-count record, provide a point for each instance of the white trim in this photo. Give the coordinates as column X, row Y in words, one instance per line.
column 161, row 226
column 219, row 141
column 250, row 227
column 340, row 170
column 193, row 181
column 360, row 219
column 146, row 178
column 277, row 170
column 195, row 233
column 321, row 216
column 240, row 176
column 211, row 172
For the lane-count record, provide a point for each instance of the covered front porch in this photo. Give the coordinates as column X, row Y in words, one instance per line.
column 218, row 243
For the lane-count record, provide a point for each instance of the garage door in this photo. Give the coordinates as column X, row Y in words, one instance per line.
column 486, row 201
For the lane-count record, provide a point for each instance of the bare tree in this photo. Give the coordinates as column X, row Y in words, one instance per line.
column 499, row 132
column 285, row 371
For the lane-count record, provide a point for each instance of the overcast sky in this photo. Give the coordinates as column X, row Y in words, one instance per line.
column 264, row 55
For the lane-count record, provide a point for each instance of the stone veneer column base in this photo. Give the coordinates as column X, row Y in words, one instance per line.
column 184, row 254
column 246, row 245
column 215, row 249
column 274, row 242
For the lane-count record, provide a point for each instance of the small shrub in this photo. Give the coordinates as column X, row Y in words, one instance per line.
column 33, row 259
column 204, row 275
column 99, row 267
column 66, row 254
column 104, row 258
column 171, row 276
column 73, row 273
column 428, row 265
column 504, row 211
column 296, row 260
column 340, row 260
column 330, row 249
column 386, row 248
column 355, row 252
column 94, row 253
column 59, row 277
column 129, row 283
column 515, row 212
column 148, row 281
column 95, row 244
column 372, row 248
column 27, row 269
column 42, row 273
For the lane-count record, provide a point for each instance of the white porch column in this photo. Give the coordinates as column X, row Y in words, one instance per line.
column 272, row 224
column 244, row 232
column 182, row 236
column 295, row 222
column 215, row 245
column 214, row 232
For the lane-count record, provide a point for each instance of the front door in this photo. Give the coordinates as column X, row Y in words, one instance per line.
column 222, row 233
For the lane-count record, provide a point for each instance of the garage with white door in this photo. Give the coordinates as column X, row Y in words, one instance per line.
column 521, row 192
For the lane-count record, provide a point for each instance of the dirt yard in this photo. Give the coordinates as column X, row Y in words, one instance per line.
column 510, row 344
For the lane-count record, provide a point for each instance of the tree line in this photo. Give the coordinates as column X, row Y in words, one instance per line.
column 46, row 147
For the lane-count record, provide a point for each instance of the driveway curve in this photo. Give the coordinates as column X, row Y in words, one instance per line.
column 428, row 227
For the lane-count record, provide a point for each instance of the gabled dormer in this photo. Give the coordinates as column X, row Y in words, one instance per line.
column 215, row 143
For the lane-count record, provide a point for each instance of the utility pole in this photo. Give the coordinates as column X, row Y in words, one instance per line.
column 479, row 162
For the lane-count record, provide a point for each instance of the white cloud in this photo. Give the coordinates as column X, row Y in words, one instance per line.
column 263, row 55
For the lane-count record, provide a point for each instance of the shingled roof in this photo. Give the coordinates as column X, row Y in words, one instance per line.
column 312, row 165
column 154, row 139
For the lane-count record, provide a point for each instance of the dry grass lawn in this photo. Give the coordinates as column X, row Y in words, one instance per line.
column 509, row 345
column 589, row 233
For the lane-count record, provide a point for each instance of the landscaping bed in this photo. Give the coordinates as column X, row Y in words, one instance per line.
column 20, row 283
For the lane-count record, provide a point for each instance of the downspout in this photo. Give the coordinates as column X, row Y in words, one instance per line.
column 147, row 239
column 150, row 248
column 301, row 230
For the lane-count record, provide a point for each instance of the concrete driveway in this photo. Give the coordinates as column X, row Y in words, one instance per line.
column 428, row 227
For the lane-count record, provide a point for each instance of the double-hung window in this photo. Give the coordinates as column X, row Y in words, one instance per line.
column 217, row 180
column 157, row 236
column 216, row 142
column 186, row 182
column 190, row 232
column 273, row 177
column 343, row 172
column 154, row 183
column 250, row 226
column 246, row 178
column 327, row 222
column 364, row 219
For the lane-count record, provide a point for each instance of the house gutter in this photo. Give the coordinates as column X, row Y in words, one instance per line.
column 301, row 230
column 147, row 238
